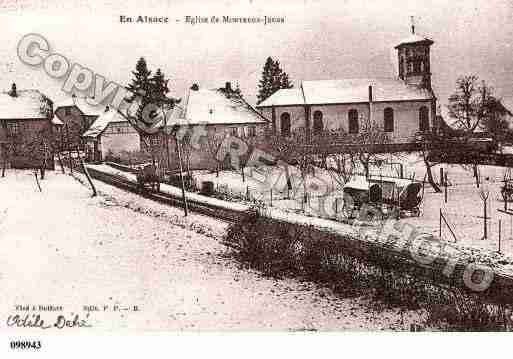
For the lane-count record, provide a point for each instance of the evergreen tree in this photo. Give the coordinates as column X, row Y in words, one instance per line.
column 273, row 79
column 141, row 82
column 159, row 89
column 149, row 89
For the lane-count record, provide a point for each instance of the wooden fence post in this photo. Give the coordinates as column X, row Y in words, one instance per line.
column 445, row 191
column 500, row 227
column 440, row 225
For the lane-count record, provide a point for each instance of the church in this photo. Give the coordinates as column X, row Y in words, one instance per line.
column 402, row 106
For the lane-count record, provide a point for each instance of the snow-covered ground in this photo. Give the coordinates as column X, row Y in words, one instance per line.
column 62, row 247
column 463, row 210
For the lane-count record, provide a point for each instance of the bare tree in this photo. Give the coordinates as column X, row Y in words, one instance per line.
column 345, row 167
column 474, row 108
column 294, row 150
column 368, row 143
column 38, row 148
column 211, row 145
column 433, row 150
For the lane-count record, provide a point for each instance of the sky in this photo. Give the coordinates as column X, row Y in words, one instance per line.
column 319, row 40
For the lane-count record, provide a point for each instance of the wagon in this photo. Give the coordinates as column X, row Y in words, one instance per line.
column 148, row 178
column 384, row 195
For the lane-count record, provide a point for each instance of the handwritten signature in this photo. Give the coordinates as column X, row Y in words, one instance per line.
column 35, row 321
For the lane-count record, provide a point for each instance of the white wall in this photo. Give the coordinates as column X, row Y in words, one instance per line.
column 297, row 117
column 406, row 116
column 336, row 117
column 127, row 139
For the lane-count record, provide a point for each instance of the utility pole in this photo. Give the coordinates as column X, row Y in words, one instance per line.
column 185, row 207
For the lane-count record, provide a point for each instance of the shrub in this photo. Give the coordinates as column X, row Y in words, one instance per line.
column 278, row 249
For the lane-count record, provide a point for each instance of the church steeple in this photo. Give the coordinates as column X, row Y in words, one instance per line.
column 414, row 59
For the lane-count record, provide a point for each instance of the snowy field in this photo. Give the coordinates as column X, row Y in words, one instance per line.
column 62, row 247
column 463, row 210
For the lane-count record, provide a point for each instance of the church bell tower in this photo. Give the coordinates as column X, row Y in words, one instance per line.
column 414, row 60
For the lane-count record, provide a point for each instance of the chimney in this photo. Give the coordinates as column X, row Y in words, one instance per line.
column 13, row 92
column 228, row 87
column 370, row 93
column 195, row 87
column 107, row 108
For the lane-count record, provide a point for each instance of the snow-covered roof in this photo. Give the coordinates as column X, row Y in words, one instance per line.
column 348, row 91
column 284, row 97
column 28, row 104
column 214, row 107
column 86, row 105
column 357, row 90
column 103, row 121
column 414, row 39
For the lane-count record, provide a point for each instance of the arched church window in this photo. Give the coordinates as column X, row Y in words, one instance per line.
column 423, row 119
column 317, row 122
column 388, row 115
column 353, row 121
column 285, row 124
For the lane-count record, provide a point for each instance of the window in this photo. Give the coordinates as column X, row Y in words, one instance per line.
column 317, row 122
column 13, row 129
column 233, row 131
column 252, row 131
column 285, row 124
column 353, row 121
column 388, row 119
column 423, row 119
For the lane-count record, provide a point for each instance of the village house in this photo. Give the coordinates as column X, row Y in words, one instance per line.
column 25, row 118
column 402, row 106
column 222, row 112
column 110, row 134
column 77, row 114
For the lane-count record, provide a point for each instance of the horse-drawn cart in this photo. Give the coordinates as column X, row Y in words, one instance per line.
column 149, row 178
column 384, row 195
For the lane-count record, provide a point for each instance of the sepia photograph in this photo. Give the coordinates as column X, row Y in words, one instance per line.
column 296, row 167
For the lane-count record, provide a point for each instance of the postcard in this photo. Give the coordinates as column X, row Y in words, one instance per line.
column 240, row 166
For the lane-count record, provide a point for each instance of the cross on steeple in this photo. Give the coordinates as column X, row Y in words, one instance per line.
column 413, row 25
